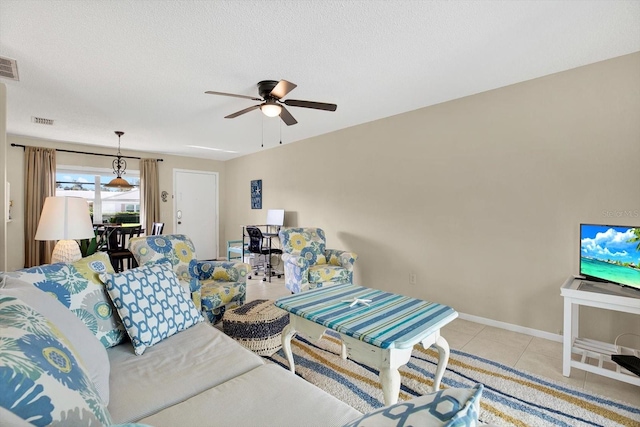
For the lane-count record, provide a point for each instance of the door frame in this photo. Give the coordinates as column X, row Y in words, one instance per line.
column 175, row 202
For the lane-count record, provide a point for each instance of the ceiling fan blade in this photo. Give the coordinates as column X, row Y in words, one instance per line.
column 210, row 92
column 311, row 104
column 286, row 117
column 241, row 112
column 282, row 88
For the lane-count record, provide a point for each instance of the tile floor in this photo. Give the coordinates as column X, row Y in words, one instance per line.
column 535, row 355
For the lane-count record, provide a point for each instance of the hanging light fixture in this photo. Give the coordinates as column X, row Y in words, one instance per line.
column 119, row 166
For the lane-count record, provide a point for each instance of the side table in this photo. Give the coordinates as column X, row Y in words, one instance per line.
column 578, row 291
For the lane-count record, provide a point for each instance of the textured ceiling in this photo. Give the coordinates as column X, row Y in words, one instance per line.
column 143, row 66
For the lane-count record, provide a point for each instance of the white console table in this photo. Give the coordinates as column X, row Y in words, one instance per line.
column 578, row 291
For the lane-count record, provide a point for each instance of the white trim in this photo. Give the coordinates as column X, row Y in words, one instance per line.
column 511, row 327
column 175, row 201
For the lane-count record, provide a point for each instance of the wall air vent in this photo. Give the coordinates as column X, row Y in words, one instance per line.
column 9, row 68
column 41, row 121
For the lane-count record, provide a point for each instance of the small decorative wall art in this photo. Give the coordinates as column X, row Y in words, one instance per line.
column 256, row 194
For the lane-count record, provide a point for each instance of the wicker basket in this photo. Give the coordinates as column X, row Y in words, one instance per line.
column 257, row 325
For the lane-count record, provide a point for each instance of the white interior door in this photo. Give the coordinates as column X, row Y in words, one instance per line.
column 196, row 210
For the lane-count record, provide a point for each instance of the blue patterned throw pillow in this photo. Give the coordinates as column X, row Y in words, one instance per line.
column 77, row 286
column 452, row 407
column 42, row 379
column 151, row 303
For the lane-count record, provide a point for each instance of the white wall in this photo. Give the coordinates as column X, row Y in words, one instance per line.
column 480, row 197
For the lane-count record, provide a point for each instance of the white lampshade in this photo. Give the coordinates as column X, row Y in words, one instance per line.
column 65, row 219
column 271, row 110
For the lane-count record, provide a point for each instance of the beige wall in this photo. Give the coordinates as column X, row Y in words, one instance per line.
column 3, row 176
column 480, row 197
column 15, row 175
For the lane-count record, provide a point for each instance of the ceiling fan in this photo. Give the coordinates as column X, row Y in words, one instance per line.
column 271, row 94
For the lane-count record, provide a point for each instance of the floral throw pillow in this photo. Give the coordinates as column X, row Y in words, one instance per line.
column 78, row 287
column 151, row 303
column 42, row 380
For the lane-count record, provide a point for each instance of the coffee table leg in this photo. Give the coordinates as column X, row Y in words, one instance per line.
column 343, row 350
column 287, row 333
column 443, row 352
column 390, row 380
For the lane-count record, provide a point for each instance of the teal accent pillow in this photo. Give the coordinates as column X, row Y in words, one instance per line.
column 151, row 303
column 78, row 287
column 42, row 380
column 452, row 407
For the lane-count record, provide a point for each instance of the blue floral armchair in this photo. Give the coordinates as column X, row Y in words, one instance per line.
column 307, row 262
column 215, row 285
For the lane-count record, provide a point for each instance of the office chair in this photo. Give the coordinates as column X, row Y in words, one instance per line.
column 256, row 246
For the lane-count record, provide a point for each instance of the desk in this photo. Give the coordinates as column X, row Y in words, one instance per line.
column 576, row 292
column 408, row 321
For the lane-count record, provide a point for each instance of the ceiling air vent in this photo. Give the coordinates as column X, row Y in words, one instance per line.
column 41, row 121
column 9, row 68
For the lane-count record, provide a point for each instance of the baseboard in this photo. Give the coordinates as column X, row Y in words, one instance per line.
column 511, row 327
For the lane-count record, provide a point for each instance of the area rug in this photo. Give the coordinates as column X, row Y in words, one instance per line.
column 511, row 397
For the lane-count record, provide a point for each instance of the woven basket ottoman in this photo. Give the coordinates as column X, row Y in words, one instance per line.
column 257, row 325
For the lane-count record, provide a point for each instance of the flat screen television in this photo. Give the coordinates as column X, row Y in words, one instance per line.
column 610, row 253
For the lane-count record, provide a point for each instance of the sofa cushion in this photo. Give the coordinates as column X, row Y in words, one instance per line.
column 277, row 398
column 77, row 287
column 89, row 349
column 175, row 370
column 42, row 379
column 450, row 407
column 151, row 303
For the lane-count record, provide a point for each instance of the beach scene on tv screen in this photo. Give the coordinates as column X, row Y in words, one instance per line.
column 611, row 253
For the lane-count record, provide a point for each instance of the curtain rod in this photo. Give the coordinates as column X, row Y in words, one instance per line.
column 85, row 152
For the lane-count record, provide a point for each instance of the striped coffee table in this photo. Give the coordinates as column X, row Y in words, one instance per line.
column 379, row 332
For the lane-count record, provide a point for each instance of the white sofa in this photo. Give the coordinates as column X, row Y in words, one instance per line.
column 195, row 377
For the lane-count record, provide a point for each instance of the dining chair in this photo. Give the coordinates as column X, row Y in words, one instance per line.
column 156, row 228
column 117, row 239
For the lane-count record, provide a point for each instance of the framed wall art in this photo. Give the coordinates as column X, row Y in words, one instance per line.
column 256, row 194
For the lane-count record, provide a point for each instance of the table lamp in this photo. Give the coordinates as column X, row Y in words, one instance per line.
column 65, row 219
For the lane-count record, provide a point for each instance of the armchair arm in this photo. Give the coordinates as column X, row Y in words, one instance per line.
column 222, row 271
column 341, row 258
column 196, row 295
column 296, row 272
column 295, row 260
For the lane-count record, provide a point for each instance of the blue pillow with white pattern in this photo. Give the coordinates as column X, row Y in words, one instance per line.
column 452, row 407
column 151, row 303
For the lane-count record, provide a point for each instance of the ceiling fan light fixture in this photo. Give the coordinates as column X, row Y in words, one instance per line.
column 271, row 109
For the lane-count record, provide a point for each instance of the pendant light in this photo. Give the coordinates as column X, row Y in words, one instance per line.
column 119, row 166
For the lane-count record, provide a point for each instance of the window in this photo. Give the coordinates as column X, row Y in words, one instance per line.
column 107, row 205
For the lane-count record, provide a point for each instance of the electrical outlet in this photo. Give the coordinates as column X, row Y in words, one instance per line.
column 412, row 278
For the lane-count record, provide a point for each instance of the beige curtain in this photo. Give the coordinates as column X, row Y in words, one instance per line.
column 149, row 193
column 40, row 182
